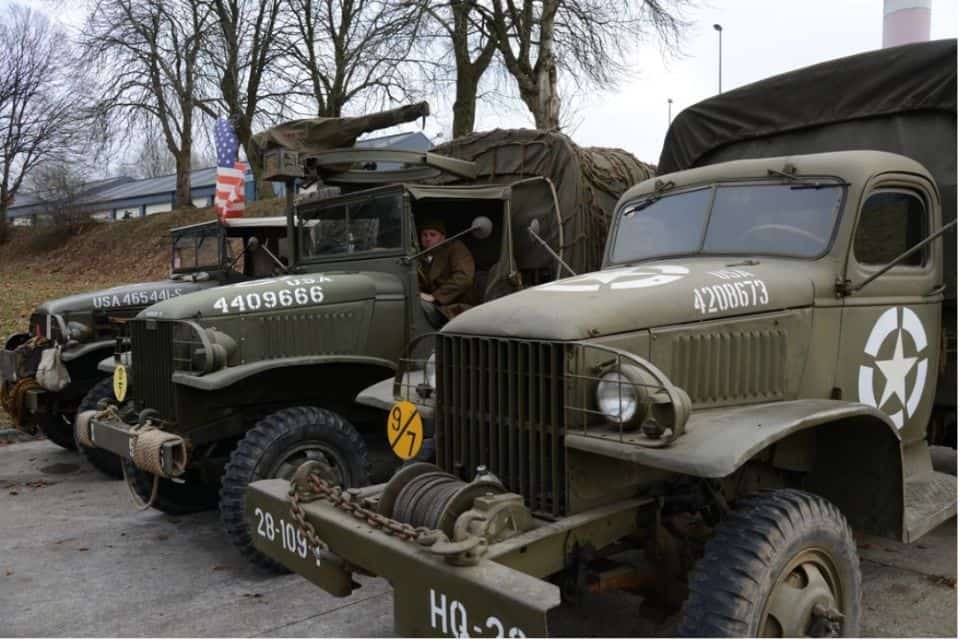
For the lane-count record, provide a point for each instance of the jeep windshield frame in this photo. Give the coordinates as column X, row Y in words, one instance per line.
column 718, row 219
column 356, row 226
column 199, row 240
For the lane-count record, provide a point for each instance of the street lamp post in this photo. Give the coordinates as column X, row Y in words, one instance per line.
column 669, row 111
column 719, row 29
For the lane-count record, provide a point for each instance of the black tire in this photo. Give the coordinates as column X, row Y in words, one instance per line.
column 774, row 542
column 58, row 428
column 274, row 449
column 175, row 498
column 100, row 459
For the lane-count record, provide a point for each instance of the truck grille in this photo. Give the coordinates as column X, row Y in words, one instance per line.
column 152, row 344
column 500, row 404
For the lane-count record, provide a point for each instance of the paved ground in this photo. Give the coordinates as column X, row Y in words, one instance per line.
column 79, row 560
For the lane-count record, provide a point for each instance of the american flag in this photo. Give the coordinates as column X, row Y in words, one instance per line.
column 229, row 199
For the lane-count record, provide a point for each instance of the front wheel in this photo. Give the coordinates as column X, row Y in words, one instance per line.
column 188, row 494
column 275, row 448
column 100, row 459
column 58, row 428
column 784, row 564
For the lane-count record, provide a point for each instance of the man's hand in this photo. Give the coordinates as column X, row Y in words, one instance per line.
column 426, row 297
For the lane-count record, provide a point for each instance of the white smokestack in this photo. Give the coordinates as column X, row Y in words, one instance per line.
column 905, row 21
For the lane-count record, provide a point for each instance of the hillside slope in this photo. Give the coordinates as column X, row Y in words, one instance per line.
column 99, row 255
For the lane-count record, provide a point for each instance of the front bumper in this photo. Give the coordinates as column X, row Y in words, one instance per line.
column 118, row 437
column 431, row 597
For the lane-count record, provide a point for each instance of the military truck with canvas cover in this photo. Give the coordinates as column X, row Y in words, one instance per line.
column 247, row 381
column 703, row 421
column 77, row 332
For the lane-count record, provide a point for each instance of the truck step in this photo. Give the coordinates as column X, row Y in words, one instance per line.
column 928, row 501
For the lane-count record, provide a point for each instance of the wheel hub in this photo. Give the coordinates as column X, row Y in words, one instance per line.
column 804, row 601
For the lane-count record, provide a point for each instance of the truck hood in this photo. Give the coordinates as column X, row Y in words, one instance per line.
column 127, row 296
column 278, row 294
column 644, row 296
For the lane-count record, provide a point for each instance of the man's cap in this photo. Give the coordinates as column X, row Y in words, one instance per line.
column 436, row 225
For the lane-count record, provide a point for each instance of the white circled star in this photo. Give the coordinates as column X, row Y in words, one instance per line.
column 619, row 279
column 897, row 368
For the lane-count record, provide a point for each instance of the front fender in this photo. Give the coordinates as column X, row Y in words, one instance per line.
column 232, row 375
column 717, row 442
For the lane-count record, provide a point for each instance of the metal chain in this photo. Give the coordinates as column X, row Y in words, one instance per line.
column 316, row 488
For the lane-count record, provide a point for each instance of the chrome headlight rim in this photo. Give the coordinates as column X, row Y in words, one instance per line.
column 618, row 399
column 430, row 370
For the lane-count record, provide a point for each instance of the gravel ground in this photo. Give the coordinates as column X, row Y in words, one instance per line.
column 82, row 561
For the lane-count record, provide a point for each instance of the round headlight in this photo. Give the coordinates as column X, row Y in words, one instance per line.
column 617, row 397
column 430, row 370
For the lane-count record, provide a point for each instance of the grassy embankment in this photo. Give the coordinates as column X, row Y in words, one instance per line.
column 41, row 263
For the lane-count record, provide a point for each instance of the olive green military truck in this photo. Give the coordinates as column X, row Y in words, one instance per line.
column 247, row 381
column 79, row 331
column 705, row 420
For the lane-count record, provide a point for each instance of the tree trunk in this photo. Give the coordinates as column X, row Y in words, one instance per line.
column 546, row 113
column 182, row 198
column 465, row 105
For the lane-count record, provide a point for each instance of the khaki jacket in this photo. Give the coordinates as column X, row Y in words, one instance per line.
column 447, row 274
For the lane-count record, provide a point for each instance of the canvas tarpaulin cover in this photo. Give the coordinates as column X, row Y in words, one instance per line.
column 587, row 181
column 316, row 135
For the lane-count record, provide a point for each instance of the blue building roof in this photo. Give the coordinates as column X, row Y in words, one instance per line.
column 124, row 192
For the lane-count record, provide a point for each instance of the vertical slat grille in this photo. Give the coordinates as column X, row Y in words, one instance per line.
column 500, row 404
column 152, row 344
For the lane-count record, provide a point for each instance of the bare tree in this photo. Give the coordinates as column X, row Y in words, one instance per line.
column 590, row 39
column 348, row 50
column 59, row 188
column 38, row 107
column 457, row 28
column 146, row 53
column 241, row 55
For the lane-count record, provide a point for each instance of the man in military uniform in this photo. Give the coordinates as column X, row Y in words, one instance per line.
column 446, row 274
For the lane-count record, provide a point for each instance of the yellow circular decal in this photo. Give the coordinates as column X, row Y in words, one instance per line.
column 120, row 382
column 405, row 430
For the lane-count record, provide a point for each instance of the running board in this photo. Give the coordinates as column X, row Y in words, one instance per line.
column 928, row 501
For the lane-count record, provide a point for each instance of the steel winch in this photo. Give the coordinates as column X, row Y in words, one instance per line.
column 423, row 495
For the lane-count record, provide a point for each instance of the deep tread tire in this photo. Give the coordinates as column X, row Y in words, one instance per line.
column 100, row 459
column 730, row 585
column 266, row 445
column 174, row 498
column 58, row 429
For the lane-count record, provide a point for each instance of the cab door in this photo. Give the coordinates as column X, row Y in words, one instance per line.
column 890, row 340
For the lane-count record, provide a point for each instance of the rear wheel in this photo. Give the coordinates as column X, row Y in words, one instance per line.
column 784, row 564
column 275, row 448
column 58, row 428
column 100, row 459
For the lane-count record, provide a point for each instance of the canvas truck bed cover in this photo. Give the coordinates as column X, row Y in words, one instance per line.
column 588, row 182
column 902, row 99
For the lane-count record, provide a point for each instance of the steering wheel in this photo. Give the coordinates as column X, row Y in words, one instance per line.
column 812, row 237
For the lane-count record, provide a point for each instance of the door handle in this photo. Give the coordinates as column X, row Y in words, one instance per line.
column 937, row 290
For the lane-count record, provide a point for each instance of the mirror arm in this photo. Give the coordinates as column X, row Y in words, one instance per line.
column 409, row 259
column 906, row 254
column 553, row 253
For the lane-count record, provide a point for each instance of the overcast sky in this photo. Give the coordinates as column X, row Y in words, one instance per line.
column 761, row 38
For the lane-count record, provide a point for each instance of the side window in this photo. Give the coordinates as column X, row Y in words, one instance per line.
column 891, row 222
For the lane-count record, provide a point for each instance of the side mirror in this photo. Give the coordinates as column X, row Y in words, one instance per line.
column 481, row 227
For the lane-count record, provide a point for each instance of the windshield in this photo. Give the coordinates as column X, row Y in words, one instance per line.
column 371, row 224
column 199, row 250
column 795, row 220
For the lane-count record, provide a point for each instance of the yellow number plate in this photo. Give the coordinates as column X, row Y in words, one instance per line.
column 405, row 430
column 120, row 382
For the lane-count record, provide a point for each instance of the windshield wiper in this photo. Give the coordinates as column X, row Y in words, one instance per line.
column 659, row 188
column 799, row 183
